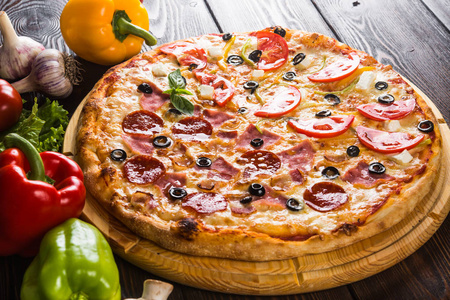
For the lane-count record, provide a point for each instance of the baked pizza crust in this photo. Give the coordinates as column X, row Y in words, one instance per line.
column 191, row 235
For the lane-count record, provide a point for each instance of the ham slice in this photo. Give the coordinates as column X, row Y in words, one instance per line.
column 215, row 117
column 153, row 101
column 298, row 157
column 360, row 175
column 170, row 180
column 222, row 170
column 251, row 133
column 139, row 144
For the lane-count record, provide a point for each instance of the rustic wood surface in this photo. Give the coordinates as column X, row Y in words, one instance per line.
column 413, row 36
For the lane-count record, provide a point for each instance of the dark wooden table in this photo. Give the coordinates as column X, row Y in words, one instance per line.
column 411, row 35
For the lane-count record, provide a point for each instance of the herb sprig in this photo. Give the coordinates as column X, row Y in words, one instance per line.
column 177, row 85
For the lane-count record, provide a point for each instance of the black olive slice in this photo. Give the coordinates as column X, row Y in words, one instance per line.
column 255, row 55
column 227, row 36
column 353, row 151
column 145, row 88
column 294, row 204
column 192, row 67
column 386, row 99
column 203, row 162
column 332, row 99
column 251, row 85
column 177, row 193
column 377, row 168
column 118, row 155
column 246, row 200
column 426, row 126
column 323, row 113
column 330, row 173
column 174, row 111
column 256, row 189
column 257, row 142
column 280, row 31
column 242, row 110
column 298, row 58
column 235, row 60
column 289, row 76
column 381, row 85
column 162, row 141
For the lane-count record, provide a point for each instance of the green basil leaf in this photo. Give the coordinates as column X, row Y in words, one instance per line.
column 168, row 91
column 176, row 80
column 183, row 91
column 182, row 104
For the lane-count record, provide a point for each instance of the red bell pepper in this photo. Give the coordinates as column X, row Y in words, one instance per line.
column 29, row 205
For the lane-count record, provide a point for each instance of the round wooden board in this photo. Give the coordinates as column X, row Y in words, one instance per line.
column 292, row 276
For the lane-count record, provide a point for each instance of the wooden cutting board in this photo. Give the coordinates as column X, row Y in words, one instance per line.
column 291, row 276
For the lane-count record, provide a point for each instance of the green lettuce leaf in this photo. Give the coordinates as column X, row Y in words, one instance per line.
column 43, row 126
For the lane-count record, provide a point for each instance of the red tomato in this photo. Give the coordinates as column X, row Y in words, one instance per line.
column 223, row 88
column 274, row 50
column 387, row 142
column 186, row 54
column 384, row 112
column 282, row 104
column 324, row 127
column 10, row 105
column 338, row 70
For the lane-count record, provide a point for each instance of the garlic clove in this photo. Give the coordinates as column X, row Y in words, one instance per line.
column 16, row 53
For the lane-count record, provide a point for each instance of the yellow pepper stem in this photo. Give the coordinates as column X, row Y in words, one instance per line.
column 122, row 27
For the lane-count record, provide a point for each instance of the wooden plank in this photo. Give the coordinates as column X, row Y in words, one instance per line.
column 441, row 9
column 294, row 14
column 38, row 20
column 172, row 20
column 397, row 36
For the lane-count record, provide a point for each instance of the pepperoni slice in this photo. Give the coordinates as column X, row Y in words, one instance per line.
column 325, row 196
column 142, row 122
column 259, row 162
column 192, row 128
column 143, row 169
column 205, row 203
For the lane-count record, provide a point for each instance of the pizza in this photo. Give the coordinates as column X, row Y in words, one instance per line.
column 257, row 146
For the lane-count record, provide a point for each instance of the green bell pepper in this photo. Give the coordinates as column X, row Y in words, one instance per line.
column 74, row 262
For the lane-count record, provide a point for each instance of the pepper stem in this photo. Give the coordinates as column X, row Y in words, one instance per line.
column 37, row 170
column 122, row 27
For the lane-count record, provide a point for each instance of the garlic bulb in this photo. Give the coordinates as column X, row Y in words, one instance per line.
column 16, row 53
column 52, row 73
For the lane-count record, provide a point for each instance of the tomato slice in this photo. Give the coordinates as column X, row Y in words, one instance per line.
column 282, row 103
column 187, row 54
column 387, row 142
column 223, row 88
column 324, row 127
column 338, row 70
column 274, row 50
column 384, row 112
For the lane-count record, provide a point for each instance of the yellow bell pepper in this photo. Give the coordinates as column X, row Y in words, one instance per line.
column 105, row 32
